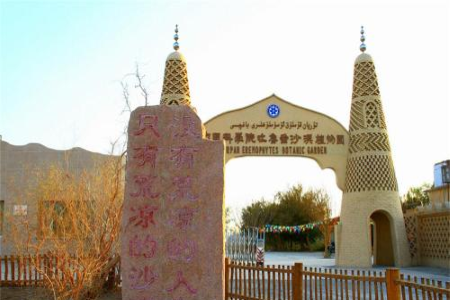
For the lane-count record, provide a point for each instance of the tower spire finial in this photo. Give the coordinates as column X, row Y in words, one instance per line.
column 176, row 46
column 176, row 85
column 362, row 47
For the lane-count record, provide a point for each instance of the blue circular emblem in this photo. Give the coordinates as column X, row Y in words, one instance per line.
column 273, row 110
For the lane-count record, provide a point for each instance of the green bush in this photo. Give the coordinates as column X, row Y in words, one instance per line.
column 317, row 245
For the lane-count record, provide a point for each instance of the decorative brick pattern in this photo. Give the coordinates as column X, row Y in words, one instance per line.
column 369, row 141
column 365, row 81
column 370, row 173
column 435, row 236
column 381, row 114
column 411, row 234
column 371, row 115
column 359, row 118
column 373, row 171
column 176, row 84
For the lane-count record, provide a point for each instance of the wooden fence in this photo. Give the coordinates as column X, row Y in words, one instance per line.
column 33, row 270
column 246, row 281
column 23, row 270
column 413, row 288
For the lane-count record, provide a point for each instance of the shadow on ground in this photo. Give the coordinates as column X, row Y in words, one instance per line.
column 33, row 293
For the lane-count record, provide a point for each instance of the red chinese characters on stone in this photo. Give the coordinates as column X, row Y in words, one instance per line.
column 183, row 218
column 181, row 250
column 143, row 216
column 182, row 282
column 142, row 247
column 145, row 185
column 183, row 186
column 146, row 155
column 183, row 156
column 185, row 127
column 141, row 278
column 148, row 122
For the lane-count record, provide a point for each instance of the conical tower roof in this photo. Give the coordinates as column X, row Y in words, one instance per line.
column 176, row 84
column 369, row 166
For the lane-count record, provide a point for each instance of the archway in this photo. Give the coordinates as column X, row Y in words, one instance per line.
column 275, row 127
column 381, row 236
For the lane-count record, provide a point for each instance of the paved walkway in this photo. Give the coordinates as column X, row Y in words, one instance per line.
column 315, row 259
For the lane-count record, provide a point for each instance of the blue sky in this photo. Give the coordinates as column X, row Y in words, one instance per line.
column 61, row 58
column 56, row 58
column 61, row 63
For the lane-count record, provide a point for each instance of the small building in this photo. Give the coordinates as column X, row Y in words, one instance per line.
column 440, row 192
column 428, row 227
column 18, row 165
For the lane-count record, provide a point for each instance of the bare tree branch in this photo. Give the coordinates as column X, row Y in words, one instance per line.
column 139, row 85
column 126, row 97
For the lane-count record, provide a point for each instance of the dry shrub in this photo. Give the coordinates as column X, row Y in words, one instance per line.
column 78, row 223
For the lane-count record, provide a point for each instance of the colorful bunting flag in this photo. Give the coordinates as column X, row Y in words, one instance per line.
column 296, row 229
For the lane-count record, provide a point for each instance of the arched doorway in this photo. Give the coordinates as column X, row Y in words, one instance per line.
column 381, row 237
column 253, row 179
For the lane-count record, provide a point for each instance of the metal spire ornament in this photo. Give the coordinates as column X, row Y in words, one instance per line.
column 362, row 47
column 176, row 46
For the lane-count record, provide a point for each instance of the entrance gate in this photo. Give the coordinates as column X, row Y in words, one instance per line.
column 360, row 156
column 242, row 245
column 360, row 159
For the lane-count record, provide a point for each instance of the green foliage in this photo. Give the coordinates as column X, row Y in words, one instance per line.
column 317, row 245
column 292, row 242
column 416, row 196
column 292, row 207
column 258, row 214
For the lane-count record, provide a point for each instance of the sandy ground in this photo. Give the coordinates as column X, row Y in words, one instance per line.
column 29, row 293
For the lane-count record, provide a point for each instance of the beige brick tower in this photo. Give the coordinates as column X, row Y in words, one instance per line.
column 176, row 84
column 372, row 229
